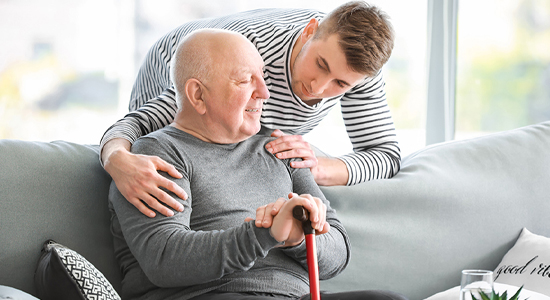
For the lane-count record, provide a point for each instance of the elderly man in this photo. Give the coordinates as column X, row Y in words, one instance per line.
column 207, row 251
column 313, row 63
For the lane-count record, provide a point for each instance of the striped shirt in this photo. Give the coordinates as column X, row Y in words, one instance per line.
column 364, row 108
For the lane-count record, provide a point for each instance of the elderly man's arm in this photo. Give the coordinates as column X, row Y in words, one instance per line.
column 334, row 247
column 166, row 247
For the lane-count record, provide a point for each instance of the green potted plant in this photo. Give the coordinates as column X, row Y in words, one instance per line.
column 495, row 296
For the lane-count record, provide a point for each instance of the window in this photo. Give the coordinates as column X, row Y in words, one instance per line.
column 61, row 69
column 67, row 67
column 503, row 72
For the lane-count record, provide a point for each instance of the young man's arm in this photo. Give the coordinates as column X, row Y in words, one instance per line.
column 327, row 171
column 136, row 176
column 372, row 133
column 138, row 181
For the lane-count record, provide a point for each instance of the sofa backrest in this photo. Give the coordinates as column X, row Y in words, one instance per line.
column 453, row 206
column 56, row 191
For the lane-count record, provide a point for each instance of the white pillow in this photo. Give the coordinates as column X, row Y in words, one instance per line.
column 527, row 264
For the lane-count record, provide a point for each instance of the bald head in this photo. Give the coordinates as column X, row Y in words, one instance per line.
column 218, row 76
column 205, row 54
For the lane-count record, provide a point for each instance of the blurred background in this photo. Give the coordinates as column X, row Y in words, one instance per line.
column 67, row 66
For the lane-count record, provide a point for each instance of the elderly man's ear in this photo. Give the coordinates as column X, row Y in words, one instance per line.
column 194, row 90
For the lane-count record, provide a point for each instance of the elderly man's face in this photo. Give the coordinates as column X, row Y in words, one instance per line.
column 238, row 90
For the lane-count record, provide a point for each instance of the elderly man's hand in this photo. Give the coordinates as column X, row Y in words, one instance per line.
column 137, row 179
column 284, row 227
column 266, row 213
column 288, row 229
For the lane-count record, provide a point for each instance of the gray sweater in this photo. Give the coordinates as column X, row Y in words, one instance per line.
column 208, row 246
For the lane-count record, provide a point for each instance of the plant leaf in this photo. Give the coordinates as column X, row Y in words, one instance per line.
column 483, row 295
column 504, row 295
column 516, row 295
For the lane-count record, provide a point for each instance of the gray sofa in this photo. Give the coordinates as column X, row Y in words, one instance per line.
column 453, row 206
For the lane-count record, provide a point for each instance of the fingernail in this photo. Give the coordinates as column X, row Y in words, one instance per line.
column 269, row 149
column 180, row 208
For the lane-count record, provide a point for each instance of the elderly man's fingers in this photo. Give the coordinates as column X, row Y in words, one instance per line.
column 260, row 212
column 325, row 229
column 322, row 214
column 277, row 206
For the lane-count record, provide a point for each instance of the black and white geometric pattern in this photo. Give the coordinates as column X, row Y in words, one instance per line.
column 92, row 283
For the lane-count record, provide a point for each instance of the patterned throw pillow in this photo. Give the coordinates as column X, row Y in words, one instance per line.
column 64, row 274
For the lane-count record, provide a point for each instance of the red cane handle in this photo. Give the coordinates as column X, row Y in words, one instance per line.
column 313, row 269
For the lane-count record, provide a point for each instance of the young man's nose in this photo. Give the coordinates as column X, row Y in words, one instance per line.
column 318, row 85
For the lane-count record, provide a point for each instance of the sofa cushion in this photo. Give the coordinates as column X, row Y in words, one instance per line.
column 527, row 263
column 64, row 274
column 453, row 206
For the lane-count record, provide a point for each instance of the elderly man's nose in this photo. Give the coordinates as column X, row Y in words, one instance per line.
column 261, row 90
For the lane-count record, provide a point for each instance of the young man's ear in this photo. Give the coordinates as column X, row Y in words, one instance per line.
column 194, row 91
column 309, row 30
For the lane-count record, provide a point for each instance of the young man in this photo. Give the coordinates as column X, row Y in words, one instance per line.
column 207, row 251
column 309, row 68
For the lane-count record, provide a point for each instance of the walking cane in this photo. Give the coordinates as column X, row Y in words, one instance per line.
column 313, row 269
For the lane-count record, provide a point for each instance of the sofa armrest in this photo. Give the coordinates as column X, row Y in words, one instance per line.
column 56, row 191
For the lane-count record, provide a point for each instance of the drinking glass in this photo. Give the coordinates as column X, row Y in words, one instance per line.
column 474, row 281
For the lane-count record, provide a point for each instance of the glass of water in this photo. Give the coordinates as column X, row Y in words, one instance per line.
column 474, row 281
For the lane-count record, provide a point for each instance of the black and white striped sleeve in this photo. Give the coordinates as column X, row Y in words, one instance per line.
column 153, row 100
column 153, row 115
column 372, row 133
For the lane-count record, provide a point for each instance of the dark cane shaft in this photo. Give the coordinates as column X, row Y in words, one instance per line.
column 313, row 269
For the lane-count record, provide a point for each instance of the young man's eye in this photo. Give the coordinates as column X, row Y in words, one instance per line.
column 341, row 84
column 320, row 66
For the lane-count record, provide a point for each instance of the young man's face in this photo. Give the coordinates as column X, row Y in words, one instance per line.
column 321, row 71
